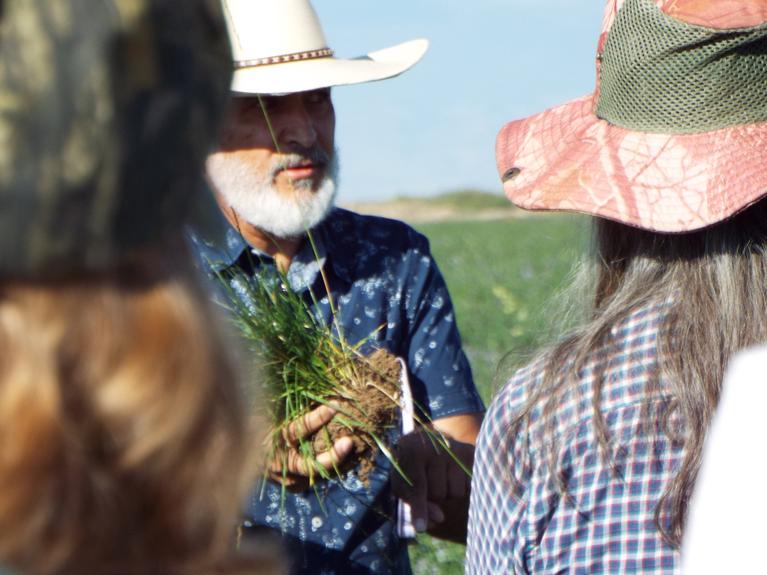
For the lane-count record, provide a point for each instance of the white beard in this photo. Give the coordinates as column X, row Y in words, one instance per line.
column 252, row 196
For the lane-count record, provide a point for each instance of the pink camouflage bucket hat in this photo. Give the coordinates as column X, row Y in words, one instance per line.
column 673, row 139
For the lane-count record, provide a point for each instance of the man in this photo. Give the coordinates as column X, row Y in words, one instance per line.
column 274, row 178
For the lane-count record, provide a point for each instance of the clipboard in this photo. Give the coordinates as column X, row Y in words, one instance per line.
column 405, row 528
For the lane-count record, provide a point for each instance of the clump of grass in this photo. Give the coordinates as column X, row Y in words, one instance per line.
column 304, row 363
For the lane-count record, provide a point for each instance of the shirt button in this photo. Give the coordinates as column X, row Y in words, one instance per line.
column 316, row 522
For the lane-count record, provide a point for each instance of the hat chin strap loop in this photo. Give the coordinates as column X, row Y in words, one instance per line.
column 295, row 57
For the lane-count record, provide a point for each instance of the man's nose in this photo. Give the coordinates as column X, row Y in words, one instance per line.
column 297, row 127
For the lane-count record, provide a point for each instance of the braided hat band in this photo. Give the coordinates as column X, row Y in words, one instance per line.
column 284, row 59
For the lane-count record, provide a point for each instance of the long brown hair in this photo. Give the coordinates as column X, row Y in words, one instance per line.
column 123, row 431
column 714, row 284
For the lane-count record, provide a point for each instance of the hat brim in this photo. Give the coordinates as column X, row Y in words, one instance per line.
column 307, row 75
column 568, row 159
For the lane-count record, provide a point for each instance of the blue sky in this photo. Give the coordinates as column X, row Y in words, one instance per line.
column 433, row 129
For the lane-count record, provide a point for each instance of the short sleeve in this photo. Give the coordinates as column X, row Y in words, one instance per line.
column 499, row 490
column 440, row 372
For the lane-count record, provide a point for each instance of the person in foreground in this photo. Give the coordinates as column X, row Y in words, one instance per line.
column 125, row 444
column 588, row 455
column 730, row 476
column 274, row 178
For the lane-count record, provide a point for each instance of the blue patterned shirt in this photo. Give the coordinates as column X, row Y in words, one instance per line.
column 606, row 523
column 388, row 291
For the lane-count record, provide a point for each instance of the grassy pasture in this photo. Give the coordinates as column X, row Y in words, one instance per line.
column 464, row 200
column 502, row 275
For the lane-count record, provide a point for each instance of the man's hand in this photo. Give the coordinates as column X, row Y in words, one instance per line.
column 290, row 468
column 439, row 494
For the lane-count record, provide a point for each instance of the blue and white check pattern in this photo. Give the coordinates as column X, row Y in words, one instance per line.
column 606, row 522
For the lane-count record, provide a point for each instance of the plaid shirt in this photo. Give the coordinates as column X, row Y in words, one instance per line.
column 606, row 522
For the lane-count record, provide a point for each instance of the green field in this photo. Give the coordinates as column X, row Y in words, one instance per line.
column 464, row 200
column 502, row 275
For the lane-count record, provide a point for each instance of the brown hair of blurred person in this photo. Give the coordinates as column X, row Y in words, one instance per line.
column 123, row 433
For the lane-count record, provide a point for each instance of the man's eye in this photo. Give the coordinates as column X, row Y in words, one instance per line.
column 269, row 103
column 246, row 109
column 318, row 97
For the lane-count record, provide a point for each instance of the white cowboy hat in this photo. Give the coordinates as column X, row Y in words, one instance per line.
column 279, row 48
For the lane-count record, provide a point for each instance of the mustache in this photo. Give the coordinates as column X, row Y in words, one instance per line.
column 296, row 158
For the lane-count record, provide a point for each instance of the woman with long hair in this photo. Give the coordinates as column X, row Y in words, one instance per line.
column 125, row 444
column 588, row 455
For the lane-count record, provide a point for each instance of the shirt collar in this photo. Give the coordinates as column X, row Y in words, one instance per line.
column 220, row 246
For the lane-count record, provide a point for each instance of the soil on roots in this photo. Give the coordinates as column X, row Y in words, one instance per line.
column 372, row 399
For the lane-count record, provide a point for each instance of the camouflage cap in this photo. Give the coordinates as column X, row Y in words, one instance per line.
column 107, row 111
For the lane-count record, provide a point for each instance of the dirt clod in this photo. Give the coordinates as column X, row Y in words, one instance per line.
column 372, row 398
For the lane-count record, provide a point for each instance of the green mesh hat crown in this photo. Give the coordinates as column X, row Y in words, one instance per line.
column 662, row 75
column 675, row 136
column 107, row 110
